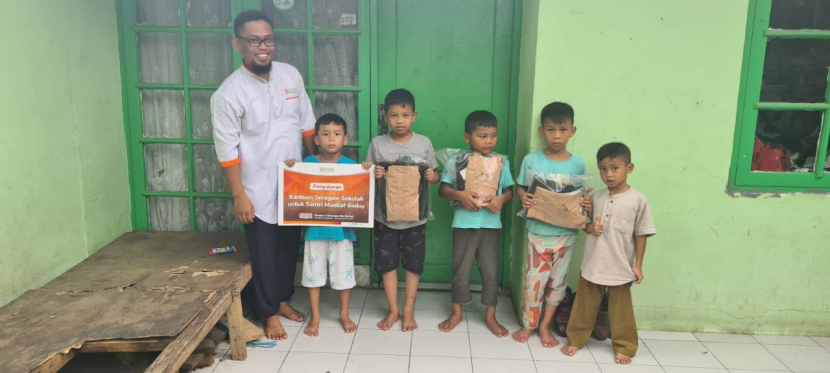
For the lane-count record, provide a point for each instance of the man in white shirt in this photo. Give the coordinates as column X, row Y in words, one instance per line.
column 262, row 116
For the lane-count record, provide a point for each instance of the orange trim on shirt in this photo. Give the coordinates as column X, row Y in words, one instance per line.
column 308, row 133
column 232, row 162
column 292, row 98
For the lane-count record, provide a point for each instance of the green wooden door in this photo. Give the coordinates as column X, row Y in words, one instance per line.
column 455, row 56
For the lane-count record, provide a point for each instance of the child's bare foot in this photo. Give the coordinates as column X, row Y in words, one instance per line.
column 290, row 313
column 457, row 316
column 313, row 327
column 348, row 325
column 390, row 319
column 569, row 350
column 522, row 335
column 548, row 340
column 497, row 329
column 449, row 324
column 273, row 329
column 622, row 359
column 409, row 323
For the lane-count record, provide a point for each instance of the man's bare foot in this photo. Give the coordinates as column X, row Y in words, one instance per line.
column 288, row 312
column 497, row 329
column 548, row 340
column 622, row 359
column 313, row 327
column 522, row 335
column 449, row 324
column 409, row 323
column 273, row 329
column 390, row 319
column 569, row 350
column 348, row 325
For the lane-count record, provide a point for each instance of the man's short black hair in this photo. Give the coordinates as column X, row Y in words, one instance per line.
column 558, row 113
column 400, row 97
column 330, row 118
column 614, row 150
column 479, row 118
column 249, row 16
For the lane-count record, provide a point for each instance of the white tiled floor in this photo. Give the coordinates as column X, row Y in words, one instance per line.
column 471, row 347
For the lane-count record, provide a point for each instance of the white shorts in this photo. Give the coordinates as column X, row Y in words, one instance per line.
column 335, row 258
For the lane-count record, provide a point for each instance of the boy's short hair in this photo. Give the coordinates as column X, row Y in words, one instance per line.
column 400, row 97
column 558, row 113
column 330, row 118
column 479, row 118
column 614, row 150
column 249, row 16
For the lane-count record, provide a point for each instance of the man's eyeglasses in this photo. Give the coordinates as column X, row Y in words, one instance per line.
column 256, row 42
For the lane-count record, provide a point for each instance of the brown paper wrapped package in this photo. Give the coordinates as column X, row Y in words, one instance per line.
column 402, row 184
column 561, row 210
column 483, row 175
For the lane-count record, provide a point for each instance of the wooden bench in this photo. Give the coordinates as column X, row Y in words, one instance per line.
column 145, row 291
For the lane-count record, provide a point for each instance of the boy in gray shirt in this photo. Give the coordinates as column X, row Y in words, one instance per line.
column 400, row 242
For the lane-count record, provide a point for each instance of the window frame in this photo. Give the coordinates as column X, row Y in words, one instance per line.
column 741, row 177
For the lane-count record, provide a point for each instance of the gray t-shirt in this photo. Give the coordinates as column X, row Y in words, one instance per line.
column 609, row 258
column 384, row 149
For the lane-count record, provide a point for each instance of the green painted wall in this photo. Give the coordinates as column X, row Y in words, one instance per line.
column 64, row 191
column 663, row 77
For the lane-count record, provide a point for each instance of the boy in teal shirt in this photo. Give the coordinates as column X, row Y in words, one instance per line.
column 476, row 228
column 329, row 250
column 549, row 248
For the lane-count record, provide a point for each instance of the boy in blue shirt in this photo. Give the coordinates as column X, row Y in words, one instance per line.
column 549, row 248
column 329, row 250
column 477, row 229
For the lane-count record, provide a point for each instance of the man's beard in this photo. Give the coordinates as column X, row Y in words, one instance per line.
column 259, row 70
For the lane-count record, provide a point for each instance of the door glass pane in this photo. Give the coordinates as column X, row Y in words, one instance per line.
column 293, row 50
column 210, row 57
column 200, row 114
column 215, row 215
column 343, row 104
column 166, row 167
column 335, row 60
column 800, row 14
column 795, row 70
column 335, row 14
column 208, row 13
column 786, row 141
column 168, row 213
column 207, row 174
column 163, row 113
column 157, row 13
column 286, row 13
column 160, row 56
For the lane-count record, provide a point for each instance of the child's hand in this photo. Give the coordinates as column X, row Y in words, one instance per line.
column 586, row 199
column 598, row 227
column 495, row 203
column 639, row 273
column 429, row 174
column 367, row 165
column 468, row 200
column 379, row 172
column 290, row 162
column 527, row 200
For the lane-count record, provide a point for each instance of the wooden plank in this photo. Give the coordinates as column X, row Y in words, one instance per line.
column 236, row 329
column 127, row 345
column 192, row 362
column 172, row 358
column 56, row 362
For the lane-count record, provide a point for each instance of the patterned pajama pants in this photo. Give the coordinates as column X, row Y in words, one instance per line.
column 546, row 274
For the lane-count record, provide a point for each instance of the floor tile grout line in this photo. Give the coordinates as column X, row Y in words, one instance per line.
column 773, row 355
column 469, row 344
column 659, row 364
column 713, row 355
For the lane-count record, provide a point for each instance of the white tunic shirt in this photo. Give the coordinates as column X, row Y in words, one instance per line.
column 258, row 123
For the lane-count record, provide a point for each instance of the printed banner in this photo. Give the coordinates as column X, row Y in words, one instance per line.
column 326, row 194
